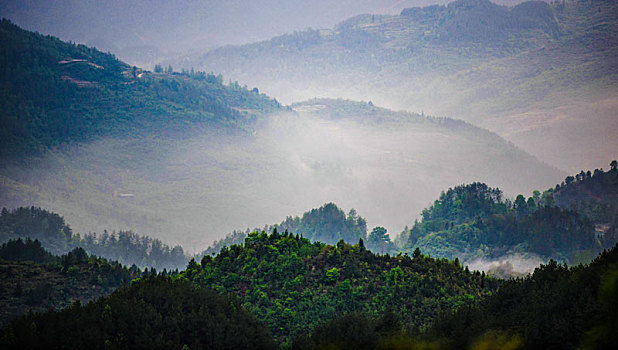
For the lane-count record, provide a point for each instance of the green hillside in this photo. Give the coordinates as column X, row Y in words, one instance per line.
column 315, row 296
column 291, row 284
column 56, row 93
column 572, row 222
column 556, row 307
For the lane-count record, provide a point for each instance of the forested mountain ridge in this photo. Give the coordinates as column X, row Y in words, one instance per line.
column 555, row 307
column 594, row 194
column 56, row 93
column 291, row 284
column 33, row 280
column 531, row 72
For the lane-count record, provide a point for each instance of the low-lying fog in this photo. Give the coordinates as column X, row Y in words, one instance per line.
column 194, row 190
column 507, row 266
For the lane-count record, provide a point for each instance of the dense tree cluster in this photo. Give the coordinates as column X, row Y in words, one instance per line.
column 475, row 220
column 327, row 224
column 594, row 195
column 28, row 250
column 54, row 234
column 554, row 308
column 153, row 313
column 292, row 284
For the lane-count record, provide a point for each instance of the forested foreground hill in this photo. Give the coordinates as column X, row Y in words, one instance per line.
column 350, row 298
column 292, row 284
column 153, row 313
column 554, row 308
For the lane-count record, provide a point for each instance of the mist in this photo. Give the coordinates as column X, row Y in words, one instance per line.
column 194, row 189
column 511, row 265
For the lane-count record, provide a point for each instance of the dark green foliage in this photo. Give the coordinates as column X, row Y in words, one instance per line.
column 554, row 308
column 126, row 247
column 154, row 313
column 379, row 241
column 472, row 221
column 31, row 279
column 27, row 250
column 594, row 195
column 356, row 331
column 292, row 285
column 55, row 93
column 36, row 223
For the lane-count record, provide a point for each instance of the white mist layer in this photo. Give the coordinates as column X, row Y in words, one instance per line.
column 193, row 191
column 508, row 265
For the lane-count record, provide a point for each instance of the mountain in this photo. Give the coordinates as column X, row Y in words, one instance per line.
column 56, row 93
column 532, row 73
column 291, row 284
column 183, row 158
column 33, row 280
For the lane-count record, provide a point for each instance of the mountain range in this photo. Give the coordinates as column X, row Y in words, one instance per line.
column 183, row 157
column 532, row 73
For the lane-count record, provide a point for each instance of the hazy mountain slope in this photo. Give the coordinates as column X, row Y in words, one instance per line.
column 532, row 73
column 184, row 158
column 55, row 93
column 147, row 31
